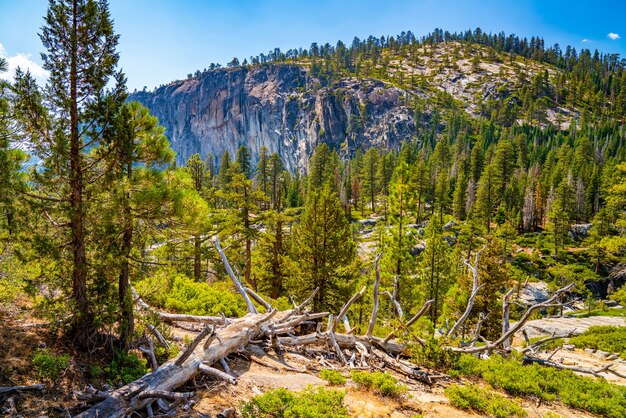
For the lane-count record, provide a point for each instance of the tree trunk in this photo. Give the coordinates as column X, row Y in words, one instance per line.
column 82, row 326
column 197, row 259
column 127, row 321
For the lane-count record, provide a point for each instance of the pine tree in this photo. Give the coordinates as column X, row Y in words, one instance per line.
column 397, row 247
column 263, row 175
column 243, row 159
column 80, row 42
column 140, row 147
column 225, row 172
column 435, row 267
column 11, row 158
column 276, row 180
column 272, row 267
column 369, row 174
column 197, row 169
column 326, row 253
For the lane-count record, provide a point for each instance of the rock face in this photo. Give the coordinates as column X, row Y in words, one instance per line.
column 281, row 107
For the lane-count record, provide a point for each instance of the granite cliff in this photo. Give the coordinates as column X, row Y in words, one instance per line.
column 280, row 107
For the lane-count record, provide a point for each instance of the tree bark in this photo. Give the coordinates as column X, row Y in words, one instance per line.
column 82, row 326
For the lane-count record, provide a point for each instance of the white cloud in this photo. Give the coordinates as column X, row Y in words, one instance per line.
column 613, row 36
column 25, row 63
column 585, row 41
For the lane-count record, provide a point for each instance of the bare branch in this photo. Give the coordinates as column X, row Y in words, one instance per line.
column 259, row 299
column 345, row 308
column 238, row 285
column 218, row 374
column 370, row 328
column 206, row 331
column 517, row 326
column 411, row 321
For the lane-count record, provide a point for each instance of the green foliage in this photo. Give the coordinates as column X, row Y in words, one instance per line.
column 310, row 403
column 183, row 294
column 548, row 384
column 124, row 368
column 326, row 253
column 433, row 356
column 605, row 338
column 49, row 366
column 484, row 401
column 333, row 377
column 382, row 383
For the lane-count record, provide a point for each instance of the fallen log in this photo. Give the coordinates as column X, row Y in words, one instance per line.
column 122, row 402
column 11, row 390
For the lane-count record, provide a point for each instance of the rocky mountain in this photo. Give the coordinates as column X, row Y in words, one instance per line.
column 288, row 110
column 280, row 107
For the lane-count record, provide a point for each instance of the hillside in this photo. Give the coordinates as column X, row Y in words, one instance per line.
column 376, row 96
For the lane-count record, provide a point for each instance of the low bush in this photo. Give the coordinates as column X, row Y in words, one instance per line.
column 483, row 400
column 584, row 393
column 182, row 294
column 382, row 383
column 333, row 377
column 605, row 338
column 49, row 366
column 124, row 368
column 431, row 355
column 310, row 403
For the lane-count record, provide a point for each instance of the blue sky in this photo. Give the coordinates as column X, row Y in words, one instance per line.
column 163, row 40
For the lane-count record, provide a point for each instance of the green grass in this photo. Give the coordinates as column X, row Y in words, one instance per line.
column 605, row 338
column 584, row 313
column 548, row 384
column 481, row 400
column 310, row 403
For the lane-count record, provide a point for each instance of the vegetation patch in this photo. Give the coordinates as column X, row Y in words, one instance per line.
column 485, row 401
column 49, row 366
column 605, row 338
column 310, row 403
column 548, row 384
column 382, row 383
column 333, row 377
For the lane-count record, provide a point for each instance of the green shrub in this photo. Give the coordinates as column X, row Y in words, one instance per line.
column 125, row 368
column 605, row 338
column 431, row 355
column 180, row 293
column 483, row 400
column 48, row 366
column 310, row 403
column 333, row 377
column 382, row 383
column 584, row 393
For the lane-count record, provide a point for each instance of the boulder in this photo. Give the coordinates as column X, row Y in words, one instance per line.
column 601, row 354
column 589, row 350
column 569, row 347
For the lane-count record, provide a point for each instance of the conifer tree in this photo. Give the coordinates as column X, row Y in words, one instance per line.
column 397, row 247
column 243, row 159
column 326, row 253
column 435, row 268
column 197, row 170
column 70, row 138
